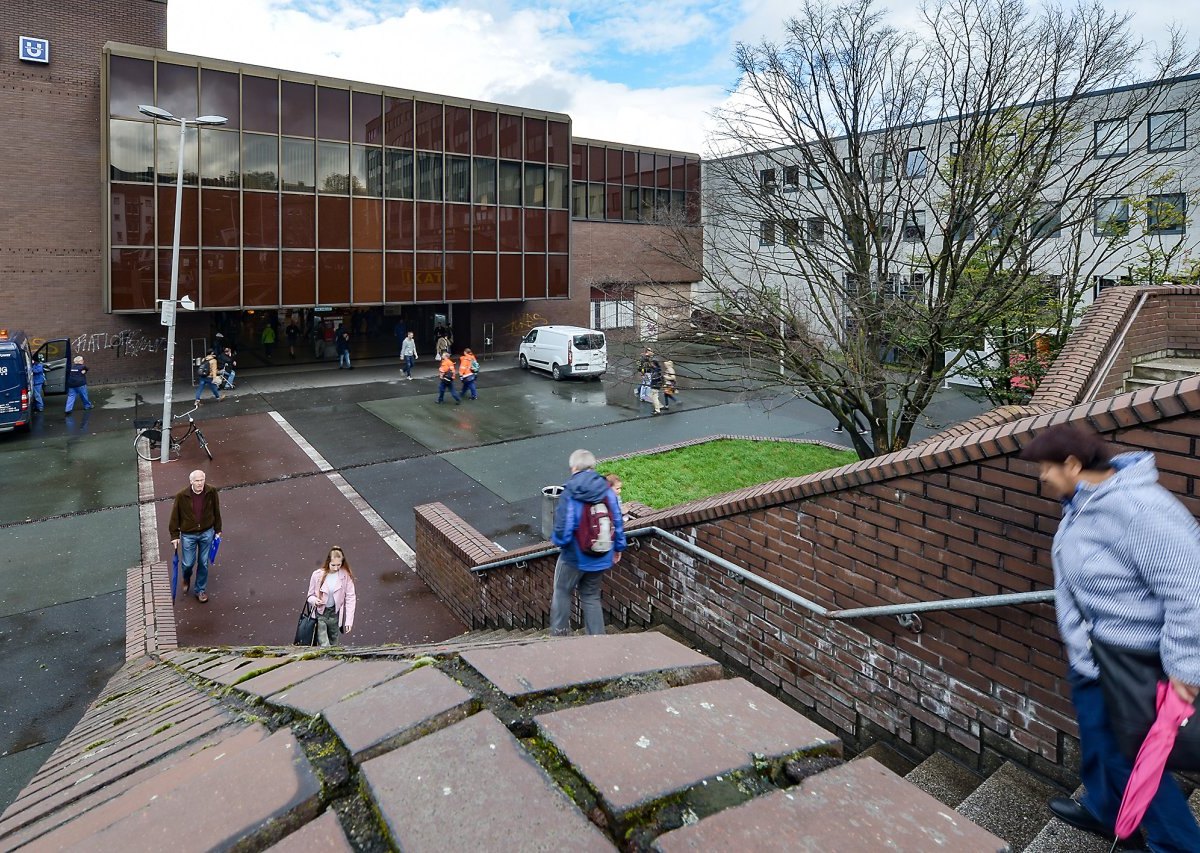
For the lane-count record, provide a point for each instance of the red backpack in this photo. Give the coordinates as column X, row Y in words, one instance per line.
column 594, row 533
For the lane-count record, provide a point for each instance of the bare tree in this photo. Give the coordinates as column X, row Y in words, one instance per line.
column 884, row 199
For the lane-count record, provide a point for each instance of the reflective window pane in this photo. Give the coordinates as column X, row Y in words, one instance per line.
column 220, row 218
column 512, row 285
column 299, row 274
column 558, row 223
column 458, row 276
column 483, row 276
column 132, row 215
column 629, row 168
column 131, row 279
column 483, row 230
column 509, row 228
column 558, row 286
column 579, row 162
column 558, row 187
column 333, row 168
column 168, row 154
column 662, row 171
column 398, row 277
column 260, row 162
column 595, row 201
column 429, row 277
column 429, row 177
column 333, row 114
column 615, row 170
column 399, row 225
column 367, row 226
column 458, row 227
column 220, row 279
column 368, row 277
column 366, row 170
column 220, row 161
column 485, row 133
column 260, row 219
column 333, row 222
column 485, row 180
column 535, row 276
column 579, row 200
column 333, row 278
column 131, row 151
column 535, row 139
column 299, row 221
column 510, row 134
column 260, row 279
column 558, row 142
column 535, row 185
column 177, row 89
column 429, row 126
column 509, row 183
column 260, row 104
column 130, row 84
column 398, row 123
column 535, row 230
column 596, row 163
column 458, row 179
column 458, row 129
column 367, row 118
column 189, row 273
column 219, row 96
column 298, row 111
column 429, row 227
column 298, row 166
column 398, row 173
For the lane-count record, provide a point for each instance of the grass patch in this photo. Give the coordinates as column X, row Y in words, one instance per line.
column 660, row 480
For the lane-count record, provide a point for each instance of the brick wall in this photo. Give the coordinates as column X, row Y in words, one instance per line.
column 1168, row 319
column 956, row 516
column 51, row 209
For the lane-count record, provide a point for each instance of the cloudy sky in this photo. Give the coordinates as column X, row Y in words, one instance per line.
column 635, row 71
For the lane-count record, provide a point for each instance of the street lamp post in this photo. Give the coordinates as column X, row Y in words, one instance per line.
column 170, row 306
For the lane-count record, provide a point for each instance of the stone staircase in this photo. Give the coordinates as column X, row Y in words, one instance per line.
column 1010, row 803
column 1162, row 367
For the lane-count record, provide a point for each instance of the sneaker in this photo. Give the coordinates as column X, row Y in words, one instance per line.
column 85, row 408
column 838, row 428
column 202, row 597
column 187, row 584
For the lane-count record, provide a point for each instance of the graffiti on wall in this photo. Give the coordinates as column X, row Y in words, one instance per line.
column 128, row 343
column 524, row 323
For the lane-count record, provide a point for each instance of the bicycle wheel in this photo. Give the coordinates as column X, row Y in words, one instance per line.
column 147, row 444
column 203, row 442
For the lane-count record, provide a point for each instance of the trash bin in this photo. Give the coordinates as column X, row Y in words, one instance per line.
column 550, row 495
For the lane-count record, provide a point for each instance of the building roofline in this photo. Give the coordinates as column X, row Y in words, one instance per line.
column 607, row 142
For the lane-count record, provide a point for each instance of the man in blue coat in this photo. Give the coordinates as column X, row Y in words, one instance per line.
column 576, row 568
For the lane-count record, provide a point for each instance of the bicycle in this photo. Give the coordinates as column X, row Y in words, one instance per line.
column 148, row 442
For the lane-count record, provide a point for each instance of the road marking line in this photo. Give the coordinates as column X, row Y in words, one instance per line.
column 385, row 531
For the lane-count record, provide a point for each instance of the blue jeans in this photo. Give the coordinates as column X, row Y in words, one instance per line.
column 39, row 402
column 344, row 359
column 443, row 385
column 80, row 392
column 206, row 382
column 469, row 386
column 1104, row 771
column 567, row 579
column 408, row 364
column 189, row 544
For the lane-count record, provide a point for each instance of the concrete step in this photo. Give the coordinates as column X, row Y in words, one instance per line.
column 1011, row 803
column 1167, row 369
column 888, row 757
column 1132, row 383
column 945, row 779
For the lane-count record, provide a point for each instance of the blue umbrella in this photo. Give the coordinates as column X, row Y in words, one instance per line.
column 212, row 551
column 174, row 574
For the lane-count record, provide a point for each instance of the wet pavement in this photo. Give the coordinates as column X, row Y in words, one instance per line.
column 307, row 457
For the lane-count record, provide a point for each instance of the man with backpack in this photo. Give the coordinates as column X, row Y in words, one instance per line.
column 591, row 536
column 206, row 376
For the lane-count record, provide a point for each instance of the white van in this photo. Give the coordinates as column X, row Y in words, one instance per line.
column 565, row 351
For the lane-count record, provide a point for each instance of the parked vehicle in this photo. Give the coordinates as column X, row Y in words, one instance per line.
column 16, row 376
column 565, row 351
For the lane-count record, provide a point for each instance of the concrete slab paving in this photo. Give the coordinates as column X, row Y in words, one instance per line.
column 860, row 806
column 66, row 473
column 398, row 711
column 323, row 834
column 285, row 676
column 349, row 435
column 327, row 688
column 524, row 671
column 472, row 787
column 640, row 748
column 276, row 534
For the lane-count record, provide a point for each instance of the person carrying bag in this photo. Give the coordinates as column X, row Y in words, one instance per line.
column 331, row 593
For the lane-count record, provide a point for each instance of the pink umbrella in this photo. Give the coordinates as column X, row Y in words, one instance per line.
column 1151, row 759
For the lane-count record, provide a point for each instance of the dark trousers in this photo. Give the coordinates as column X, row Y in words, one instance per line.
column 1104, row 771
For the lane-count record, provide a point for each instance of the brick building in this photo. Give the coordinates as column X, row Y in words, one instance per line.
column 316, row 198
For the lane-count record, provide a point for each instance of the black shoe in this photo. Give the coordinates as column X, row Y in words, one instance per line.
column 1075, row 814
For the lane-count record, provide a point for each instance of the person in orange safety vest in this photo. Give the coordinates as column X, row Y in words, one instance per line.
column 447, row 374
column 468, row 369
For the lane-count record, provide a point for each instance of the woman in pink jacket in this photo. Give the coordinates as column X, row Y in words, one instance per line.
column 331, row 590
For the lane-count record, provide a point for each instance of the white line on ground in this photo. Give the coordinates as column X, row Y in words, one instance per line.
column 385, row 531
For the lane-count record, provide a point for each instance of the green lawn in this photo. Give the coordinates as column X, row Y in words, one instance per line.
column 677, row 476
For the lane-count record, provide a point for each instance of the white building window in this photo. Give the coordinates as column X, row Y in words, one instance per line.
column 1166, row 131
column 1111, row 137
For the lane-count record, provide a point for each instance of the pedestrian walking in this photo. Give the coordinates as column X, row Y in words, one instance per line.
column 1126, row 560
column 657, row 382
column 668, row 383
column 643, row 389
column 343, row 350
column 468, row 369
column 292, row 332
column 195, row 522
column 228, row 367
column 444, row 340
column 331, row 592
column 39, row 383
column 591, row 536
column 446, row 377
column 857, row 422
column 208, row 376
column 77, row 384
column 408, row 351
column 268, row 340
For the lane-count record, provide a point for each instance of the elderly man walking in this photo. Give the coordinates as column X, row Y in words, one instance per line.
column 591, row 536
column 195, row 522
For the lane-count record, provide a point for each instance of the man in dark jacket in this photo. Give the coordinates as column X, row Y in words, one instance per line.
column 196, row 522
column 576, row 568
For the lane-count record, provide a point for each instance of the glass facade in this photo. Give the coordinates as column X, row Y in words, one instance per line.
column 317, row 194
column 622, row 184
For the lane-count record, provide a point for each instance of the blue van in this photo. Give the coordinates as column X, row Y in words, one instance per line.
column 16, row 376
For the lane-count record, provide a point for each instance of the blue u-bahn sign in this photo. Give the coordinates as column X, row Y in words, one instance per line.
column 34, row 50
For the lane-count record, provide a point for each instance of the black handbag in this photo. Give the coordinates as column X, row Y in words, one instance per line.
column 306, row 627
column 1129, row 681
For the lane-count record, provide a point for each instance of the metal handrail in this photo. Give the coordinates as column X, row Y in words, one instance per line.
column 907, row 614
